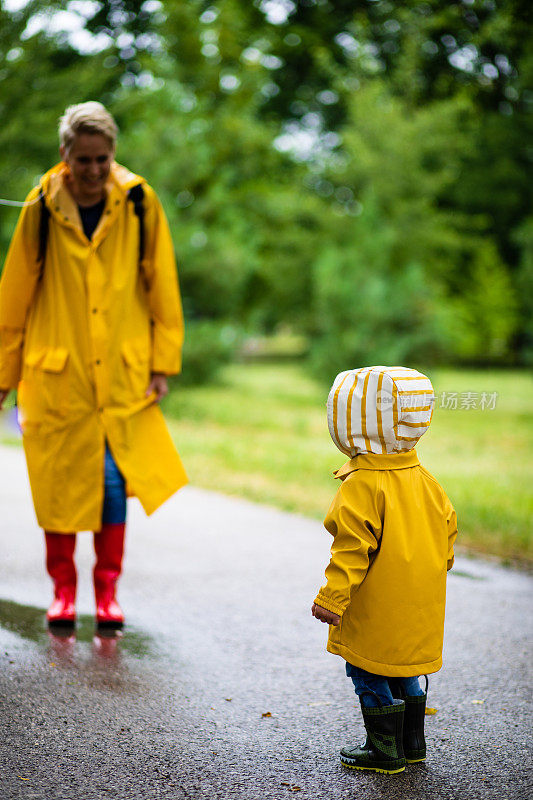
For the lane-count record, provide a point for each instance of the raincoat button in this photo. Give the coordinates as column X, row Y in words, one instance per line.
column 95, row 310
column 98, row 361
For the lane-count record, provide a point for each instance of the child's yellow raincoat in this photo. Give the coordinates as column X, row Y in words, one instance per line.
column 393, row 527
column 80, row 343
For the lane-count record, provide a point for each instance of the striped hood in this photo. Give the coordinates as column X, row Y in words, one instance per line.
column 379, row 410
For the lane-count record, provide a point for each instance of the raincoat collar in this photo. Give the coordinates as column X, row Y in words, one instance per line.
column 371, row 461
column 119, row 178
column 65, row 210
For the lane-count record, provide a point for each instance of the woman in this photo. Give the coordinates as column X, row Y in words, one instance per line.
column 90, row 327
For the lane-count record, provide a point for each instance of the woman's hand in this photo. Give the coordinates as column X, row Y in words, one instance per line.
column 3, row 394
column 324, row 615
column 159, row 385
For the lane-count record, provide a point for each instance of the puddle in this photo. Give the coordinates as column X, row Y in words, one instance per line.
column 29, row 622
column 83, row 658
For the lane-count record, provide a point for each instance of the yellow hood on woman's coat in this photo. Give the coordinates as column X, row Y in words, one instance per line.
column 379, row 410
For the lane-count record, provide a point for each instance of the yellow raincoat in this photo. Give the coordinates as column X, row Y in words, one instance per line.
column 80, row 343
column 392, row 524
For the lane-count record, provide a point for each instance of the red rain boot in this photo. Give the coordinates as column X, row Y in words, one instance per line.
column 61, row 568
column 109, row 549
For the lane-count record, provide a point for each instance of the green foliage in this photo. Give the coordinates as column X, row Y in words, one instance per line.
column 486, row 315
column 406, row 159
column 438, row 49
column 386, row 286
column 208, row 347
column 370, row 310
column 524, row 238
column 413, row 197
column 244, row 226
column 37, row 76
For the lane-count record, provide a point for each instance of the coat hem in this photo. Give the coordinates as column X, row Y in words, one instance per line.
column 149, row 508
column 388, row 670
column 63, row 529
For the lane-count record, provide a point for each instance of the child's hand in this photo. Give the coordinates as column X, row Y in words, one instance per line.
column 324, row 615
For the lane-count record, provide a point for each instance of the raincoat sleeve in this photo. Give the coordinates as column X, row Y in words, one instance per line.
column 451, row 521
column 17, row 290
column 159, row 268
column 355, row 524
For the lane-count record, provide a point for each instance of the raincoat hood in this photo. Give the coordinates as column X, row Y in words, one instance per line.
column 380, row 410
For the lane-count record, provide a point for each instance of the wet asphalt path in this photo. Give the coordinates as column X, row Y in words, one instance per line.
column 217, row 593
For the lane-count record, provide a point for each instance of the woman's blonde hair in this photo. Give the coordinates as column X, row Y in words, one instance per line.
column 90, row 117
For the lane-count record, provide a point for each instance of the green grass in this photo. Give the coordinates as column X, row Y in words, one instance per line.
column 261, row 433
column 482, row 458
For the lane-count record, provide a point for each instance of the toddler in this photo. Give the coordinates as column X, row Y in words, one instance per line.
column 393, row 531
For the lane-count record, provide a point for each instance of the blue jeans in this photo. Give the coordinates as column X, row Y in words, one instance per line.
column 379, row 684
column 114, row 491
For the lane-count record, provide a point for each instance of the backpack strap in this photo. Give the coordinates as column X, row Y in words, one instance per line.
column 43, row 232
column 136, row 195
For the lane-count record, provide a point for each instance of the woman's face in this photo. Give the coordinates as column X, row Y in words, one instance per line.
column 89, row 160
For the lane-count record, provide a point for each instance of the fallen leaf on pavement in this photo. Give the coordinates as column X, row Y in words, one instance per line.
column 478, row 702
column 431, row 711
column 266, row 714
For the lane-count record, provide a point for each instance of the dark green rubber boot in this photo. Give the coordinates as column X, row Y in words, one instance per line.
column 414, row 743
column 383, row 749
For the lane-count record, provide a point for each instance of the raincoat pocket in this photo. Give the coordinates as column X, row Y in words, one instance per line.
column 43, row 392
column 136, row 357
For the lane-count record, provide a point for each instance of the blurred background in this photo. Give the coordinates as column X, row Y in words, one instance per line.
column 347, row 183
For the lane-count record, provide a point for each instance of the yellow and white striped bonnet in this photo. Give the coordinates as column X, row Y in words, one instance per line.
column 379, row 409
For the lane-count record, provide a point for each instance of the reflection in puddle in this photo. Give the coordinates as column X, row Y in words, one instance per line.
column 105, row 649
column 105, row 646
column 29, row 622
column 62, row 643
column 85, row 657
